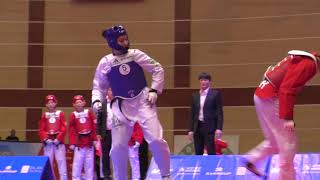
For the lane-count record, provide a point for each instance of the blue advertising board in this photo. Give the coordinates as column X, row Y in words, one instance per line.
column 25, row 167
column 193, row 167
column 307, row 166
column 231, row 167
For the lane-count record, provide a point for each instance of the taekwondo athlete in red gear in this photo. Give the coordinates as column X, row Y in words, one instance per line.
column 220, row 145
column 52, row 131
column 123, row 71
column 82, row 136
column 274, row 100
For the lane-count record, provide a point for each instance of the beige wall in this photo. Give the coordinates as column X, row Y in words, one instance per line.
column 13, row 52
column 78, row 35
column 12, row 118
column 13, row 43
column 240, row 48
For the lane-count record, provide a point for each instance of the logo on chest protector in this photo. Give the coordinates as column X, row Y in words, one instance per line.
column 52, row 120
column 82, row 120
column 124, row 69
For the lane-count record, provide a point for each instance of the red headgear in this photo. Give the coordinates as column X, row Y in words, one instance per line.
column 51, row 97
column 77, row 97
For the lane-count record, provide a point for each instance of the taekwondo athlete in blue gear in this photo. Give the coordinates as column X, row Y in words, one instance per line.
column 123, row 71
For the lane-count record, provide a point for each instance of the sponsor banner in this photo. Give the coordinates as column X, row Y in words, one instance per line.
column 307, row 166
column 32, row 149
column 25, row 167
column 194, row 167
column 183, row 146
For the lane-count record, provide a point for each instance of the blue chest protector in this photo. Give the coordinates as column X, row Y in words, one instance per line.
column 127, row 80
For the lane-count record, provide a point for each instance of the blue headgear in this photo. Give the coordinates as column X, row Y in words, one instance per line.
column 112, row 34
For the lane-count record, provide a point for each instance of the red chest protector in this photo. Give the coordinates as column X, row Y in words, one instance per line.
column 53, row 122
column 275, row 74
column 83, row 122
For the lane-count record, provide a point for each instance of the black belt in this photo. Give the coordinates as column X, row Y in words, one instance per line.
column 84, row 135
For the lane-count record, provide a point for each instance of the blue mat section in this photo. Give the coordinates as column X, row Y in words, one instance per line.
column 231, row 167
column 25, row 167
column 192, row 167
column 307, row 167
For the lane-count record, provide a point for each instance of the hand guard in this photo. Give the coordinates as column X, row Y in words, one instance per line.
column 190, row 135
column 152, row 97
column 97, row 106
column 48, row 141
column 289, row 125
column 218, row 134
column 56, row 142
column 72, row 147
column 136, row 145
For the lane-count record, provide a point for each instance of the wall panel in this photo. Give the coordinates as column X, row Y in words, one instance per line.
column 109, row 10
column 250, row 8
column 14, row 10
column 13, row 118
column 13, row 43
